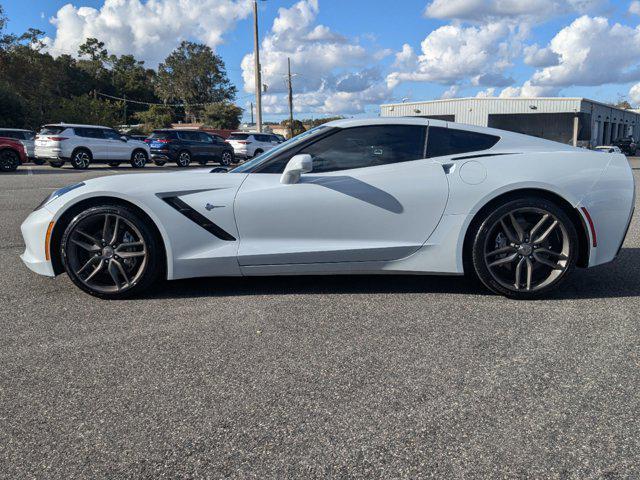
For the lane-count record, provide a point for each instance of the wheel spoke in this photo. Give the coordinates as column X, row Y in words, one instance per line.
column 517, row 227
column 90, row 262
column 547, row 262
column 503, row 261
column 129, row 245
column 93, row 239
column 114, row 273
column 131, row 254
column 86, row 246
column 95, row 272
column 538, row 225
column 105, row 228
column 122, row 271
column 512, row 238
column 558, row 255
column 546, row 233
column 507, row 249
column 518, row 274
column 114, row 237
column 529, row 272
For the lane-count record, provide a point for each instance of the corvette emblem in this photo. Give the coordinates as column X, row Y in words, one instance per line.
column 210, row 207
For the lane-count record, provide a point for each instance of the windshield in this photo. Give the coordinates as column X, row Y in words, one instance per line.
column 266, row 156
column 238, row 136
column 162, row 135
column 52, row 130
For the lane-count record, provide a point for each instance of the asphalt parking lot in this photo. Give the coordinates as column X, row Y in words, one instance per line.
column 370, row 377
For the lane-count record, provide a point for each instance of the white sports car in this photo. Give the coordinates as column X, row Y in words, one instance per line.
column 388, row 195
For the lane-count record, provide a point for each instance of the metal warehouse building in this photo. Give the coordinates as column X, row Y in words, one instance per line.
column 568, row 120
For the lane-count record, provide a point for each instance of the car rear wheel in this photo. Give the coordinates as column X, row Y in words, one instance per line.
column 257, row 152
column 139, row 159
column 184, row 159
column 525, row 248
column 226, row 159
column 9, row 160
column 81, row 159
column 111, row 252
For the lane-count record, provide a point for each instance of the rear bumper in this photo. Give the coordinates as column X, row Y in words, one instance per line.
column 34, row 232
column 163, row 156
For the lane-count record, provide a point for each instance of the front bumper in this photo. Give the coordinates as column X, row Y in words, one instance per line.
column 34, row 233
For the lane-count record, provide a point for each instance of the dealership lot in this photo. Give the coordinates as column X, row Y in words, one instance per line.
column 308, row 377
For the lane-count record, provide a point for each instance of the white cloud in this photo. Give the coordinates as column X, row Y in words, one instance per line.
column 529, row 90
column 634, row 7
column 149, row 30
column 455, row 53
column 540, row 57
column 634, row 93
column 451, row 92
column 334, row 74
column 492, row 10
column 489, row 92
column 592, row 52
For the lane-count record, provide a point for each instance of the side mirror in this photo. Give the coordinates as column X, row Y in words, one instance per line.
column 297, row 166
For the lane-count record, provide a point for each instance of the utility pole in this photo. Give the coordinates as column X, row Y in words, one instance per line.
column 124, row 117
column 251, row 113
column 256, row 55
column 290, row 99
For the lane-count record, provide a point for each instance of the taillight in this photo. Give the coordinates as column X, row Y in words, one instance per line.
column 162, row 140
column 58, row 139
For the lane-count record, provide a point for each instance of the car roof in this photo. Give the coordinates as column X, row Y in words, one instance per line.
column 75, row 125
column 15, row 129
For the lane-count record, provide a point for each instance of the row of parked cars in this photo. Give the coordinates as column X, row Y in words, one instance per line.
column 82, row 145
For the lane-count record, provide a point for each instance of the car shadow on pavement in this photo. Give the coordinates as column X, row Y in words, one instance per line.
column 620, row 278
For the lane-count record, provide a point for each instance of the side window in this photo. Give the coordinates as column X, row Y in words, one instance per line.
column 360, row 147
column 111, row 134
column 449, row 141
column 203, row 137
column 81, row 132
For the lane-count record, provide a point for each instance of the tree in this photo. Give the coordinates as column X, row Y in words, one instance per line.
column 223, row 115
column 298, row 127
column 90, row 110
column 624, row 104
column 157, row 116
column 11, row 108
column 193, row 74
column 314, row 122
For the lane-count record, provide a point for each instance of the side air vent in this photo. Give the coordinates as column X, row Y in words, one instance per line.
column 196, row 217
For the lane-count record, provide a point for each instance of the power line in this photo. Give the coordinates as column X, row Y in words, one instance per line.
column 139, row 102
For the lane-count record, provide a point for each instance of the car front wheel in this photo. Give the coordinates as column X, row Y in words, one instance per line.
column 525, row 248
column 9, row 161
column 226, row 159
column 139, row 159
column 111, row 252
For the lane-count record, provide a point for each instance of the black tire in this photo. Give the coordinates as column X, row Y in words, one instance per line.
column 544, row 262
column 226, row 158
column 38, row 162
column 159, row 163
column 139, row 159
column 257, row 152
column 56, row 164
column 143, row 274
column 9, row 160
column 114, row 164
column 81, row 159
column 184, row 159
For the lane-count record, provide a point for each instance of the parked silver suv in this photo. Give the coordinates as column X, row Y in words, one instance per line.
column 81, row 145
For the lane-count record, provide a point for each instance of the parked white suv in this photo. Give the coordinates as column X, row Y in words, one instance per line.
column 251, row 144
column 25, row 137
column 81, row 145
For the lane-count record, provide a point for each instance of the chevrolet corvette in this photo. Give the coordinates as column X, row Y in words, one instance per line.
column 357, row 196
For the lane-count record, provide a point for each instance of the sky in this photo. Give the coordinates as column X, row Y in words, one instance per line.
column 350, row 56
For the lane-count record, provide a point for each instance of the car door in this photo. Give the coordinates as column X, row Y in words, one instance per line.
column 211, row 150
column 372, row 196
column 191, row 141
column 118, row 149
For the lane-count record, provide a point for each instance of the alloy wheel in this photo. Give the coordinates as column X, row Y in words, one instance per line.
column 226, row 158
column 139, row 160
column 184, row 159
column 81, row 160
column 9, row 160
column 107, row 253
column 527, row 249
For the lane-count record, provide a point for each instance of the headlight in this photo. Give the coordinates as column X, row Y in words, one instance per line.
column 58, row 193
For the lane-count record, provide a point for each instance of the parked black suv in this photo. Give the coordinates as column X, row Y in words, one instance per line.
column 627, row 145
column 183, row 146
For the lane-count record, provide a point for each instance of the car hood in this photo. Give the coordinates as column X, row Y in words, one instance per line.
column 142, row 188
